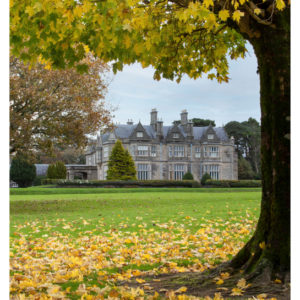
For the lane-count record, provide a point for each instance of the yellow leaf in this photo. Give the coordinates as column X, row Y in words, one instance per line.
column 277, row 281
column 236, row 292
column 208, row 3
column 140, row 280
column 138, row 49
column 86, row 48
column 257, row 11
column 224, row 14
column 237, row 15
column 181, row 290
column 241, row 283
column 127, row 41
column 225, row 275
column 280, row 4
column 262, row 245
column 262, row 296
column 220, row 281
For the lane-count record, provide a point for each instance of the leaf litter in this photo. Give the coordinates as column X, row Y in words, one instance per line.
column 51, row 262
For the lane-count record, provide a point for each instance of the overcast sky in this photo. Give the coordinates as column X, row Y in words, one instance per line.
column 134, row 92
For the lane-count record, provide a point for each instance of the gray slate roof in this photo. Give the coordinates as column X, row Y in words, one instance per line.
column 41, row 169
column 124, row 131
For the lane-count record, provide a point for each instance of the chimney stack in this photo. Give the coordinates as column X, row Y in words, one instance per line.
column 189, row 129
column 130, row 122
column 159, row 129
column 153, row 115
column 184, row 118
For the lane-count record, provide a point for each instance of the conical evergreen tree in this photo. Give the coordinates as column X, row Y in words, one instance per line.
column 120, row 164
column 130, row 167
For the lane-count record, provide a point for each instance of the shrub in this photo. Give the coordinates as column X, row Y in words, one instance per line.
column 188, row 176
column 57, row 170
column 47, row 181
column 22, row 171
column 129, row 183
column 205, row 177
column 38, row 180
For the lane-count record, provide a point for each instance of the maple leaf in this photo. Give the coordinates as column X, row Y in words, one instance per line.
column 280, row 4
column 237, row 15
column 224, row 14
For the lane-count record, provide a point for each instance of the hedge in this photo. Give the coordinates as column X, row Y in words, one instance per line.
column 123, row 183
column 38, row 180
column 233, row 183
column 50, row 181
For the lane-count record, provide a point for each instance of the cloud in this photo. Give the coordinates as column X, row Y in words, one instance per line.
column 135, row 92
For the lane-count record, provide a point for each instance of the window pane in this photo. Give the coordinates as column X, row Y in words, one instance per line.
column 143, row 172
column 142, row 150
column 153, row 150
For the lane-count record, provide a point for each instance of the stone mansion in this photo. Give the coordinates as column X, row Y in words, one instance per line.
column 165, row 152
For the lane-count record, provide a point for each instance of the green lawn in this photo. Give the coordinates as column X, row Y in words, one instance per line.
column 124, row 205
column 98, row 236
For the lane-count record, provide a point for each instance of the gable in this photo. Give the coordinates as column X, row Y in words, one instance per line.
column 210, row 136
column 139, row 133
column 112, row 136
column 175, row 135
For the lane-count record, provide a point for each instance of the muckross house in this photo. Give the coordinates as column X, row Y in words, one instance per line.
column 164, row 152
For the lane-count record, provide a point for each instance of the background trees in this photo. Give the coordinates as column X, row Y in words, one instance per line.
column 120, row 165
column 22, row 171
column 247, row 139
column 55, row 108
column 198, row 122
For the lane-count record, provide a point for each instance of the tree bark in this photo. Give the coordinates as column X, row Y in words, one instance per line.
column 270, row 245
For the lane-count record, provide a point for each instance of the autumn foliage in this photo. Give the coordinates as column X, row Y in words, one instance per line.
column 55, row 108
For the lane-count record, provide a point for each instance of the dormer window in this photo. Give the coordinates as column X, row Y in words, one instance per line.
column 210, row 136
column 176, row 135
column 139, row 134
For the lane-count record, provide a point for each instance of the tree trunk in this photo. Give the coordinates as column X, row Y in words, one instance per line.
column 269, row 248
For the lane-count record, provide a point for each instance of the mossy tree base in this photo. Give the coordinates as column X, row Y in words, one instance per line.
column 204, row 284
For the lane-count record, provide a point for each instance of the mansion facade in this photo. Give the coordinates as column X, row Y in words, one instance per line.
column 165, row 152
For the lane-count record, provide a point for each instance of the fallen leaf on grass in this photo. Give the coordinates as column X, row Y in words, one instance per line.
column 242, row 284
column 236, row 292
column 277, row 281
column 262, row 296
column 181, row 290
column 220, row 281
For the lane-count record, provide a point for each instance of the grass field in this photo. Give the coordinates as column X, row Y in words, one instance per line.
column 79, row 243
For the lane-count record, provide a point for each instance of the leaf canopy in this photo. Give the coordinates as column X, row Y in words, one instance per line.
column 175, row 37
